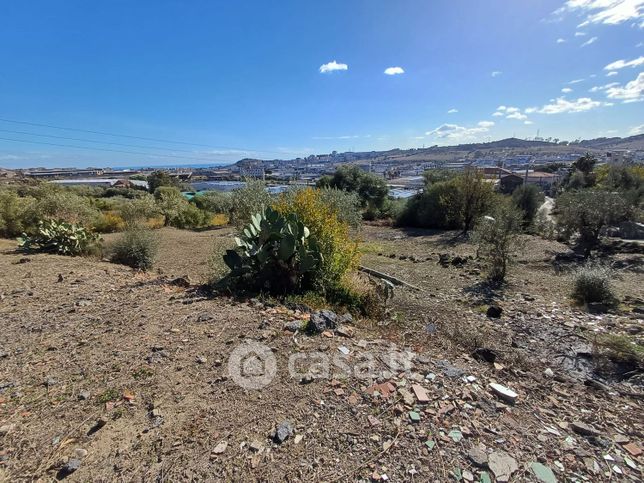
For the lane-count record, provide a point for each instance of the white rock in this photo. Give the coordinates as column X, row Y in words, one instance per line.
column 504, row 393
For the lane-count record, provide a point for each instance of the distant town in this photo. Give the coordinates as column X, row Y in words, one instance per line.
column 507, row 162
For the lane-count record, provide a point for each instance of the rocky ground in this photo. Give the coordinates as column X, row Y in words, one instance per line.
column 111, row 375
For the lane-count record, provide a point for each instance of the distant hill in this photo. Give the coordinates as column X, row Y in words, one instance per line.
column 475, row 150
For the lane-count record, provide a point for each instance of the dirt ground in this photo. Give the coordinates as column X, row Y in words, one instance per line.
column 111, row 375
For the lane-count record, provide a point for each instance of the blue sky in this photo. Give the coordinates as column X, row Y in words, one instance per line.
column 290, row 78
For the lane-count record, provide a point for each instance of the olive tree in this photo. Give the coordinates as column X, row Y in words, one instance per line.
column 498, row 238
column 583, row 214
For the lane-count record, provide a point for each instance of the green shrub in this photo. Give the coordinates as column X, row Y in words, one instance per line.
column 592, row 283
column 59, row 237
column 109, row 222
column 139, row 210
column 339, row 252
column 65, row 205
column 452, row 204
column 345, row 205
column 275, row 253
column 177, row 211
column 498, row 239
column 214, row 202
column 17, row 214
column 528, row 198
column 247, row 201
column 137, row 247
column 371, row 188
column 438, row 206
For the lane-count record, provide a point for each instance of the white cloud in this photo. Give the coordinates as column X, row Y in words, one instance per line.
column 517, row 115
column 576, row 81
column 635, row 130
column 510, row 112
column 527, row 123
column 604, row 87
column 612, row 73
column 562, row 105
column 566, row 90
column 580, row 34
column 454, row 131
column 620, row 64
column 560, row 40
column 633, row 91
column 496, row 73
column 452, row 111
column 332, row 66
column 590, row 41
column 394, row 70
column 610, row 12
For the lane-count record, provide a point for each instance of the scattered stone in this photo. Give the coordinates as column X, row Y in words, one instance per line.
column 421, row 393
column 450, row 370
column 49, row 382
column 298, row 439
column 220, row 448
column 584, row 429
column 84, row 395
column 256, row 446
column 71, row 466
column 502, row 465
column 183, row 282
column 385, row 389
column 283, row 431
column 80, row 453
column 633, row 449
column 478, row 456
column 471, row 379
column 6, row 429
column 414, row 416
column 293, row 326
column 201, row 360
column 100, row 422
column 543, row 473
column 494, row 312
column 431, row 328
column 322, row 320
column 456, row 435
column 485, row 477
column 549, row 373
column 430, row 443
column 344, row 350
column 344, row 332
column 504, row 393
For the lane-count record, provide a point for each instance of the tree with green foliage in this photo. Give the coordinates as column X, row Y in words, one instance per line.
column 581, row 173
column 161, row 178
column 586, row 213
column 476, row 196
column 498, row 239
column 585, row 164
column 372, row 189
column 528, row 198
